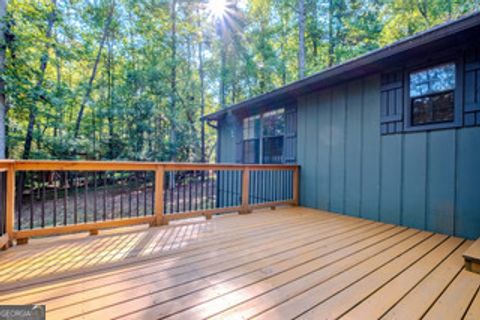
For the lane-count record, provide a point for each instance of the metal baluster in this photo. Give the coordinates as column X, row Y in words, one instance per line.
column 210, row 186
column 153, row 196
column 113, row 191
column 129, row 181
column 85, row 196
column 177, row 188
column 202, row 191
column 55, row 198
column 65, row 196
column 225, row 188
column 190, row 192
column 122, row 191
column 171, row 186
column 255, row 187
column 215, row 188
column 94, row 196
column 273, row 185
column 18, row 202
column 183, row 192
column 207, row 190
column 105, row 195
column 135, row 180
column 231, row 187
column 32, row 196
column 75, row 203
column 289, row 175
column 196, row 189
column 43, row 199
column 145, row 205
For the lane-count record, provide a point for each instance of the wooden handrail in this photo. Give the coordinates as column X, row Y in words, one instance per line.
column 159, row 168
column 71, row 165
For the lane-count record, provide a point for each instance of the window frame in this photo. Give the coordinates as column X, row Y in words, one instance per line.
column 255, row 140
column 457, row 99
column 273, row 112
column 261, row 136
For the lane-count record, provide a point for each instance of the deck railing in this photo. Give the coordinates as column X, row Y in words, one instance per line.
column 40, row 198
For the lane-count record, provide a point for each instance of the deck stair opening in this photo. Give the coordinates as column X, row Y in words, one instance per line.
column 472, row 257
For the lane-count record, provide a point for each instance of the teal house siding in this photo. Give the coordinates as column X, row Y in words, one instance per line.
column 377, row 137
column 227, row 137
column 428, row 180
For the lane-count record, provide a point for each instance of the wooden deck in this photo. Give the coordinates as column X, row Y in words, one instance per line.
column 282, row 264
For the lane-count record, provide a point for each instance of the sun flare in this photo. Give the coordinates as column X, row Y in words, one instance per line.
column 217, row 8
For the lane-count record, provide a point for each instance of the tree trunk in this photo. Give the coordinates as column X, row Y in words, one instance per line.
column 202, row 89
column 86, row 97
column 331, row 41
column 3, row 107
column 314, row 32
column 173, row 80
column 43, row 66
column 301, row 38
column 111, row 153
column 223, row 72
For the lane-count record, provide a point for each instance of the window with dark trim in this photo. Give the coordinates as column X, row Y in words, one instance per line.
column 263, row 137
column 432, row 95
column 251, row 139
column 273, row 133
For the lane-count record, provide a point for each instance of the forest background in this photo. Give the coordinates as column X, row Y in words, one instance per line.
column 131, row 79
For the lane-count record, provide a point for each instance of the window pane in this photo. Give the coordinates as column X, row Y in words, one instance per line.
column 251, row 128
column 433, row 109
column 251, row 151
column 433, row 80
column 272, row 150
column 273, row 123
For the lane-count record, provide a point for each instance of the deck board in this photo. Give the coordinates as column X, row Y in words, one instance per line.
column 291, row 262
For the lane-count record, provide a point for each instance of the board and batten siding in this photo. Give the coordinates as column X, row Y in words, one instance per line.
column 426, row 180
column 227, row 139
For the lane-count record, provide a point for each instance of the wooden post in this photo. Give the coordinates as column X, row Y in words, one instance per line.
column 159, row 176
column 296, row 179
column 10, row 218
column 245, row 191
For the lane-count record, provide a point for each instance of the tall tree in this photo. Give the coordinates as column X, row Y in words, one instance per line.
column 301, row 38
column 3, row 107
column 36, row 92
column 88, row 91
column 201, row 74
column 173, row 80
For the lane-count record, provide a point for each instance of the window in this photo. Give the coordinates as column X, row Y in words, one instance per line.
column 251, row 139
column 432, row 95
column 264, row 135
column 273, row 132
column 272, row 150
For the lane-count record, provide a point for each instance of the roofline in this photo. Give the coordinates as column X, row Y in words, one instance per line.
column 433, row 34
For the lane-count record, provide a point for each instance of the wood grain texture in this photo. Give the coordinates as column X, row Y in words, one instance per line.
column 291, row 262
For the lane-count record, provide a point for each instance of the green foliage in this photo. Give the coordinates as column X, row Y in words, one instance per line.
column 128, row 110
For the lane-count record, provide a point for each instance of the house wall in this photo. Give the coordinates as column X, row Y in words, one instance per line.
column 427, row 180
column 226, row 139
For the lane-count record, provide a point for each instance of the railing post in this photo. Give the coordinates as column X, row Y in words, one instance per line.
column 159, row 176
column 245, row 190
column 10, row 207
column 296, row 179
